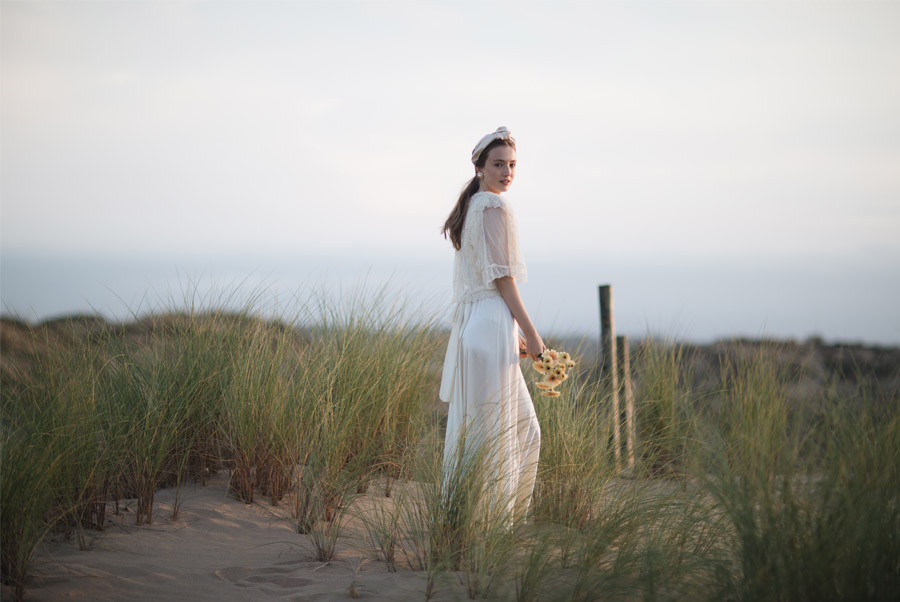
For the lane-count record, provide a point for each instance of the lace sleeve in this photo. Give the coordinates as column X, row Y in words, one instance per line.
column 500, row 255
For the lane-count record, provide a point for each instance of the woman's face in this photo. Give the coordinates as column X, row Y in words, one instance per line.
column 499, row 169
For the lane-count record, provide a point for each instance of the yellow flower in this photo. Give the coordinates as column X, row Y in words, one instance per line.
column 553, row 365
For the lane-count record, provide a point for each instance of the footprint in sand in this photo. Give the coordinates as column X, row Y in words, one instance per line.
column 247, row 577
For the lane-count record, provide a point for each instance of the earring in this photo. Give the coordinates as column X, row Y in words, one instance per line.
column 480, row 175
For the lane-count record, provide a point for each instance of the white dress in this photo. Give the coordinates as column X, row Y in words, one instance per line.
column 489, row 401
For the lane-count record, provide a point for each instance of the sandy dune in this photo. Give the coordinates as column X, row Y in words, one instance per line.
column 219, row 549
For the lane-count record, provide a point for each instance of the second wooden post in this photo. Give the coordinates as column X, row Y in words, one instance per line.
column 627, row 399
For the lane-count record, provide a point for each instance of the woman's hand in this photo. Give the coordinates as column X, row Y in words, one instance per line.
column 534, row 345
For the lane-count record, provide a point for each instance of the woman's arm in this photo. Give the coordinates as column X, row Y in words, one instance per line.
column 534, row 346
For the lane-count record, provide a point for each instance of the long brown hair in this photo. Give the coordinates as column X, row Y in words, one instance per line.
column 457, row 218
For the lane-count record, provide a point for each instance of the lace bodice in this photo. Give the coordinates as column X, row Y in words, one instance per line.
column 489, row 249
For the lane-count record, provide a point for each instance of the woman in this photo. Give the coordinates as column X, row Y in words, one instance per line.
column 490, row 408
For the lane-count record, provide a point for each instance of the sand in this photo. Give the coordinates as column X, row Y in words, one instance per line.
column 219, row 549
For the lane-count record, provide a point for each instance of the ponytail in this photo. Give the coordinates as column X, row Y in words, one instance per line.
column 457, row 218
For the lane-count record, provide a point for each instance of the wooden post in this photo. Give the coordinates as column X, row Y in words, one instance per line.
column 609, row 357
column 628, row 399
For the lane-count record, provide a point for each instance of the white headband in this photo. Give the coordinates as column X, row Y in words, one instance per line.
column 501, row 134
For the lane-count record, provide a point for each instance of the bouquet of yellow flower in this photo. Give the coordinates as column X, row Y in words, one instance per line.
column 553, row 365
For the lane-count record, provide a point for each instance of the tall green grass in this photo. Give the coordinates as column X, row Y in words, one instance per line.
column 809, row 521
column 739, row 492
column 310, row 408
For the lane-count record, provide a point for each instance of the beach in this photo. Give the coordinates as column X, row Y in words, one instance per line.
column 218, row 549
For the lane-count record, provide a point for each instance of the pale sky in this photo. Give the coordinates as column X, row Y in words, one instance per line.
column 682, row 150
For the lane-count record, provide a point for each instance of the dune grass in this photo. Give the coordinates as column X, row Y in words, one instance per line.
column 739, row 492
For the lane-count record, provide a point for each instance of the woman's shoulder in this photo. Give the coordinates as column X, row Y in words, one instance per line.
column 484, row 199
